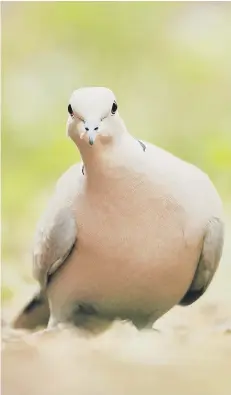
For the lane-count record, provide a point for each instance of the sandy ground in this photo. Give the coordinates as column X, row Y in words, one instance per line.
column 191, row 353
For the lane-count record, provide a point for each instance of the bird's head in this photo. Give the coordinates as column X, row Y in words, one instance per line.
column 92, row 114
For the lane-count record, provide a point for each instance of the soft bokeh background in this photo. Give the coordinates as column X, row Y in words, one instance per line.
column 169, row 65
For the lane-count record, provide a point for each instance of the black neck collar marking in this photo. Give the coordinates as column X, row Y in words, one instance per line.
column 139, row 141
column 142, row 145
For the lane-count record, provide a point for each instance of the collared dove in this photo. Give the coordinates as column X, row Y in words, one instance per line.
column 128, row 234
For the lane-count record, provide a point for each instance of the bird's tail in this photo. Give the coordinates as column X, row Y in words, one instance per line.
column 35, row 314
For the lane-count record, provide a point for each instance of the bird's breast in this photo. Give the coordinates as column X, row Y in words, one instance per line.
column 129, row 221
column 134, row 249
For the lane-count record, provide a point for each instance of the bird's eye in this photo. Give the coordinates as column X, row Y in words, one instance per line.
column 114, row 108
column 70, row 110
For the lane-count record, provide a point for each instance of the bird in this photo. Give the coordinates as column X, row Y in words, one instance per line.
column 130, row 231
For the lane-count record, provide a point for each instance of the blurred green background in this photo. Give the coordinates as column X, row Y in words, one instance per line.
column 169, row 65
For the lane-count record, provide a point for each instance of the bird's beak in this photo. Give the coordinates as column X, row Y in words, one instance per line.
column 91, row 130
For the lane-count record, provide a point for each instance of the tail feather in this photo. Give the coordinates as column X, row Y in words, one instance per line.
column 35, row 314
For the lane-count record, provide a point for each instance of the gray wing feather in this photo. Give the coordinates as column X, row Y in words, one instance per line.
column 208, row 262
column 56, row 232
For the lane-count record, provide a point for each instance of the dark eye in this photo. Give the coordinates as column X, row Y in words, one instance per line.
column 70, row 110
column 114, row 108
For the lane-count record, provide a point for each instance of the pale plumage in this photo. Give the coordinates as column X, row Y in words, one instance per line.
column 137, row 233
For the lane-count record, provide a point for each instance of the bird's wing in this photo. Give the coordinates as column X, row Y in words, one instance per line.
column 208, row 262
column 56, row 233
